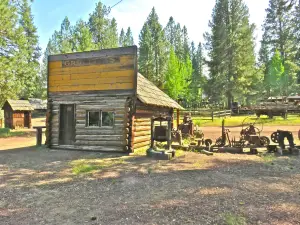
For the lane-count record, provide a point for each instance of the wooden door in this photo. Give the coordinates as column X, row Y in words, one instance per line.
column 26, row 119
column 67, row 125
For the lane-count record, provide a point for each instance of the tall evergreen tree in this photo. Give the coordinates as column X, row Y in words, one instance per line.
column 122, row 38
column 230, row 46
column 170, row 31
column 152, row 50
column 30, row 51
column 186, row 44
column 129, row 37
column 65, row 37
column 198, row 79
column 11, row 40
column 82, row 37
column 104, row 30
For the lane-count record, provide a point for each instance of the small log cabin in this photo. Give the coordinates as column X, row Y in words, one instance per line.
column 17, row 114
column 98, row 101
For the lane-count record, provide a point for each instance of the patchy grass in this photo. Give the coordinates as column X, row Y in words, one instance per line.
column 268, row 158
column 5, row 133
column 140, row 151
column 238, row 121
column 90, row 165
column 233, row 219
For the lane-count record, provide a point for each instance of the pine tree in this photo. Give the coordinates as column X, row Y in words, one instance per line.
column 278, row 33
column 153, row 50
column 122, row 38
column 11, row 38
column 30, row 51
column 186, row 44
column 198, row 79
column 129, row 37
column 82, row 37
column 111, row 36
column 102, row 28
column 170, row 31
column 65, row 37
column 230, row 46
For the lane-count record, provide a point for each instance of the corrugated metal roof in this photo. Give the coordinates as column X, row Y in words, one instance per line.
column 149, row 94
column 20, row 105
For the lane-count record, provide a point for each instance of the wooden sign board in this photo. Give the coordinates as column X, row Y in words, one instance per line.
column 111, row 69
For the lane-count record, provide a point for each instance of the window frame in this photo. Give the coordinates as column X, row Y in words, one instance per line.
column 100, row 118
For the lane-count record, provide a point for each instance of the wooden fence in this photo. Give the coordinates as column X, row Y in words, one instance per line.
column 219, row 114
column 207, row 113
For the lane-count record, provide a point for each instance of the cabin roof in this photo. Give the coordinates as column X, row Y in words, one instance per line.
column 19, row 105
column 37, row 103
column 149, row 94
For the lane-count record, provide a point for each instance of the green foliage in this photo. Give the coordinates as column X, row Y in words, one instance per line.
column 153, row 50
column 230, row 46
column 19, row 51
column 177, row 76
column 126, row 39
column 275, row 76
column 82, row 37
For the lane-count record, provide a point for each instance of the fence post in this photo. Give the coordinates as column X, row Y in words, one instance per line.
column 212, row 116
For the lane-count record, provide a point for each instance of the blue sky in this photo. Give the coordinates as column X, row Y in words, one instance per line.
column 195, row 14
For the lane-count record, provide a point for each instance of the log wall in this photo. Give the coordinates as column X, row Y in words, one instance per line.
column 142, row 124
column 86, row 138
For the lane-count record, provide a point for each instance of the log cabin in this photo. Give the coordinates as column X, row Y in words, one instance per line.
column 98, row 101
column 17, row 114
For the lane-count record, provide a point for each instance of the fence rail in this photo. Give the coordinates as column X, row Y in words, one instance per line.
column 219, row 114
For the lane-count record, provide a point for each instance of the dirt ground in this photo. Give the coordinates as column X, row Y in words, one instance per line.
column 41, row 186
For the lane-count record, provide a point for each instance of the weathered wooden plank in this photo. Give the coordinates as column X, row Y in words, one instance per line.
column 100, row 132
column 90, row 148
column 140, row 145
column 102, row 137
column 142, row 124
column 90, row 87
column 142, row 133
column 98, row 78
column 141, row 139
column 100, row 143
column 141, row 128
column 132, row 50
column 90, row 94
column 138, row 120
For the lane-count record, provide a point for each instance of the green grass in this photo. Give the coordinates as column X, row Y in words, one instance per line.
column 5, row 132
column 83, row 166
column 232, row 219
column 238, row 121
column 268, row 158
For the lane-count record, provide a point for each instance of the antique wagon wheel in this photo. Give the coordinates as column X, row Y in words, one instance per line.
column 264, row 141
column 219, row 142
column 274, row 137
column 208, row 142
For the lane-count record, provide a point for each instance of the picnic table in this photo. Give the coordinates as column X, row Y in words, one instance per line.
column 39, row 131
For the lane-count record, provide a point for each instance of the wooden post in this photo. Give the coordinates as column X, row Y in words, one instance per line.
column 29, row 118
column 152, row 133
column 39, row 136
column 212, row 116
column 169, row 134
column 178, row 118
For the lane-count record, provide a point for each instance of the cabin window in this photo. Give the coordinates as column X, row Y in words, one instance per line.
column 107, row 119
column 100, row 119
column 93, row 119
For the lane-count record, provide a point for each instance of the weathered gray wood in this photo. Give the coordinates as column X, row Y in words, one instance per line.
column 100, row 137
column 100, row 143
column 92, row 54
column 90, row 148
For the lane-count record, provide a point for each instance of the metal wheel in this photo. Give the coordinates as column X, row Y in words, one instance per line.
column 264, row 141
column 208, row 142
column 219, row 141
column 274, row 137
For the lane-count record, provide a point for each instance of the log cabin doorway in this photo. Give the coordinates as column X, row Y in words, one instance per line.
column 26, row 119
column 67, row 125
